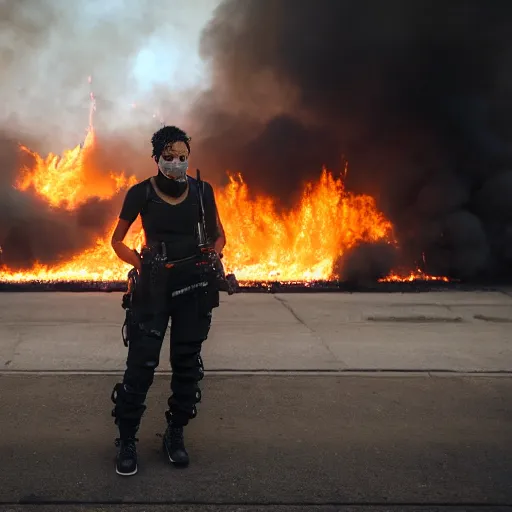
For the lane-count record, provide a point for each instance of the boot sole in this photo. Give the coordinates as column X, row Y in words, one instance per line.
column 127, row 474
column 177, row 464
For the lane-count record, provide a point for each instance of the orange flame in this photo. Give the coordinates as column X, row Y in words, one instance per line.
column 67, row 181
column 98, row 263
column 301, row 245
column 262, row 243
column 416, row 275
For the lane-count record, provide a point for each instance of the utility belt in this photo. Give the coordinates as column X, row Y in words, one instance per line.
column 161, row 279
column 205, row 265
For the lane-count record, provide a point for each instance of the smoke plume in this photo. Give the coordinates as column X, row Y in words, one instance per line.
column 138, row 60
column 415, row 95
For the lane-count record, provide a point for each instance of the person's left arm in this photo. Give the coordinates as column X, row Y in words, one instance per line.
column 219, row 236
column 220, row 242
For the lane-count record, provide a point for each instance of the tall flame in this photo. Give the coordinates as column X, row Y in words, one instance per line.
column 262, row 243
column 303, row 244
column 69, row 180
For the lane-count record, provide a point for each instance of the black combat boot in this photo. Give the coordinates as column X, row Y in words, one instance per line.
column 174, row 445
column 126, row 462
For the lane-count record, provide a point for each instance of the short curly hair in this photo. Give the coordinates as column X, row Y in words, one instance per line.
column 166, row 135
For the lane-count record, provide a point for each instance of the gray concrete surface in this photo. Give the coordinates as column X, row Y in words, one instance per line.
column 431, row 433
column 431, row 331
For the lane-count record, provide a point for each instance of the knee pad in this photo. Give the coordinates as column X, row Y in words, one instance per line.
column 129, row 402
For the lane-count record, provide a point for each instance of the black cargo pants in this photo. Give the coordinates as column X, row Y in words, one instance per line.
column 190, row 325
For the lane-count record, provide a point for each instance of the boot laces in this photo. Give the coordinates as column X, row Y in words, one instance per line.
column 176, row 434
column 128, row 447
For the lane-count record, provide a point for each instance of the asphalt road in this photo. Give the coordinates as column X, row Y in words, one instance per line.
column 265, row 440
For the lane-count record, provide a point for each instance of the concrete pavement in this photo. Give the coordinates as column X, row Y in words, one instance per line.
column 327, row 332
column 297, row 413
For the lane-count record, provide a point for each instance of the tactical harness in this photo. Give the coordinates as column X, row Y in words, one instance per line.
column 206, row 262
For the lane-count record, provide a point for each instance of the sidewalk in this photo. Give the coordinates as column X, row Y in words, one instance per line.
column 445, row 331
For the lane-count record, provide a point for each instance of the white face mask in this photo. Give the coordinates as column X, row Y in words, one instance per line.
column 175, row 169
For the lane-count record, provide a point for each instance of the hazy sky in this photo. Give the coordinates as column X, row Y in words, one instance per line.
column 137, row 52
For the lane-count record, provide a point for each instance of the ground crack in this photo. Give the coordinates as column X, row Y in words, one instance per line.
column 310, row 329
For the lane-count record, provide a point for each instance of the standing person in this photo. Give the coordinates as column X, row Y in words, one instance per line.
column 171, row 285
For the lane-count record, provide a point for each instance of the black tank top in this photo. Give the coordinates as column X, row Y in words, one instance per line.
column 174, row 224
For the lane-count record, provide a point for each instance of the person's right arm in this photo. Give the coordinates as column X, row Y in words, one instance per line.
column 123, row 252
column 129, row 212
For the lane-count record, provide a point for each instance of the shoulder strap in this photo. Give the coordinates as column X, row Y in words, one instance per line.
column 210, row 214
column 210, row 220
column 192, row 183
column 147, row 190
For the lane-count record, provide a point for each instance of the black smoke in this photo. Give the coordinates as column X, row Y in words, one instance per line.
column 31, row 230
column 417, row 96
column 53, row 54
